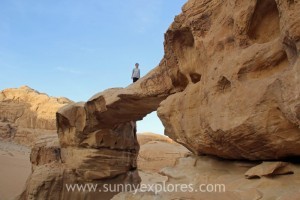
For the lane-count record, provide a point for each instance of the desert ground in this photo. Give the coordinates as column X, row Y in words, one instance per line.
column 15, row 168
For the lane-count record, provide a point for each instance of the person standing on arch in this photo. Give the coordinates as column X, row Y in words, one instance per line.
column 135, row 73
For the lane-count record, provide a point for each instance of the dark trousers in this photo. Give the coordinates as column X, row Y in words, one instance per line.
column 135, row 79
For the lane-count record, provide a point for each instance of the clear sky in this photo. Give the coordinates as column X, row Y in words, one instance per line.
column 76, row 48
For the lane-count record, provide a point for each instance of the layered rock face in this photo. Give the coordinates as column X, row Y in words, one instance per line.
column 95, row 152
column 89, row 150
column 27, row 114
column 240, row 61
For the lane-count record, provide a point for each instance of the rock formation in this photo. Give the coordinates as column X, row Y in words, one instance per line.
column 240, row 62
column 27, row 114
column 89, row 151
column 228, row 86
column 51, row 165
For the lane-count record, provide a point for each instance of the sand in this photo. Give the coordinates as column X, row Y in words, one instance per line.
column 15, row 167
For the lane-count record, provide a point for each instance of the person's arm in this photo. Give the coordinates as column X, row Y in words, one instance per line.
column 139, row 74
column 132, row 74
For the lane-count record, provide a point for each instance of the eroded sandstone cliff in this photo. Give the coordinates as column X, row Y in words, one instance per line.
column 26, row 114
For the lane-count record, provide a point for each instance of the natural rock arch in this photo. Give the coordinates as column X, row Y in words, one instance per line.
column 224, row 91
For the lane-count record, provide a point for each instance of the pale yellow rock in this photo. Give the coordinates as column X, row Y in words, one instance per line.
column 240, row 60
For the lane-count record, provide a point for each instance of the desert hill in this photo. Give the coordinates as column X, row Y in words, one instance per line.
column 27, row 114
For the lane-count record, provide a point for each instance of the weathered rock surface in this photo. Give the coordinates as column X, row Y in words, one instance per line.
column 49, row 165
column 26, row 114
column 241, row 63
column 89, row 152
column 95, row 150
column 45, row 150
column 205, row 177
column 269, row 169
column 157, row 152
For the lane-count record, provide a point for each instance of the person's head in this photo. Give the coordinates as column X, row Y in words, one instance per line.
column 136, row 65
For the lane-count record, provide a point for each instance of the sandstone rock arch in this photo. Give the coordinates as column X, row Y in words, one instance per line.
column 222, row 88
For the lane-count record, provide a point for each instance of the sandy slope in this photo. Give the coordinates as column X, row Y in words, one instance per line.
column 15, row 168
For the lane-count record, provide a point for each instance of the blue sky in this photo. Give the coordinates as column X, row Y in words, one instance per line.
column 76, row 48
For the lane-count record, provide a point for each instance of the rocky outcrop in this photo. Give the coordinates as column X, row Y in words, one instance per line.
column 228, row 86
column 157, row 152
column 90, row 151
column 27, row 114
column 45, row 150
column 95, row 150
column 240, row 60
column 52, row 178
column 57, row 167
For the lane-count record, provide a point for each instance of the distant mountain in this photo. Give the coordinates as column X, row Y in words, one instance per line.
column 26, row 114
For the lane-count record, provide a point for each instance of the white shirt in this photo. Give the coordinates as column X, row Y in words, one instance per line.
column 135, row 73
